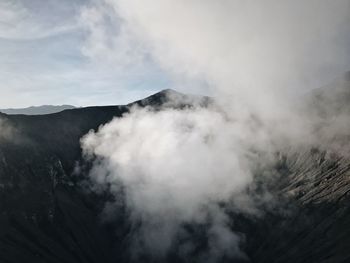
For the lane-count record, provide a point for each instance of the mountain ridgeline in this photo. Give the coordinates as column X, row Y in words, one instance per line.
column 38, row 110
column 48, row 215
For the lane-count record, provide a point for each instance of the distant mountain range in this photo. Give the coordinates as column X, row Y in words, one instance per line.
column 38, row 110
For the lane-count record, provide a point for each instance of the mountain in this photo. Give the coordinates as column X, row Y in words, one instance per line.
column 46, row 215
column 38, row 110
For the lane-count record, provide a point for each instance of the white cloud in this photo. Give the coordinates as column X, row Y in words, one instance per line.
column 19, row 23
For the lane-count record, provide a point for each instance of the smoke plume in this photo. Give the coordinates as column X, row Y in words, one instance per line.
column 175, row 167
column 182, row 167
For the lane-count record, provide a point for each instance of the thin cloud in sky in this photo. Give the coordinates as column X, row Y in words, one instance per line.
column 22, row 20
column 46, row 58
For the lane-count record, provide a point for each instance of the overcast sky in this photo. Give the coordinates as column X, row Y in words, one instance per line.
column 88, row 52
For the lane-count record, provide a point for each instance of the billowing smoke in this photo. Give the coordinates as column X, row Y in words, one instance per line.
column 248, row 49
column 175, row 168
column 181, row 167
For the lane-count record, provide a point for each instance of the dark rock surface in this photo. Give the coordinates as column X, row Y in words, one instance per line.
column 45, row 215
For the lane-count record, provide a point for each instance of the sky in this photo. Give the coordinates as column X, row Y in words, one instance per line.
column 101, row 52
column 45, row 60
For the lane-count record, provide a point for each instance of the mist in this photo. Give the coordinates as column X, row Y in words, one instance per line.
column 260, row 62
column 6, row 130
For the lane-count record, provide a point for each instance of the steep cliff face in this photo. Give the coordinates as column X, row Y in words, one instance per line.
column 314, row 223
column 47, row 215
column 313, row 186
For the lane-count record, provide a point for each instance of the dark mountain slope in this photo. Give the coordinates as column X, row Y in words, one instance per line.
column 46, row 216
column 59, row 133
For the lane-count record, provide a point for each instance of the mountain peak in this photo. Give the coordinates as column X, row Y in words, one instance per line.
column 172, row 98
